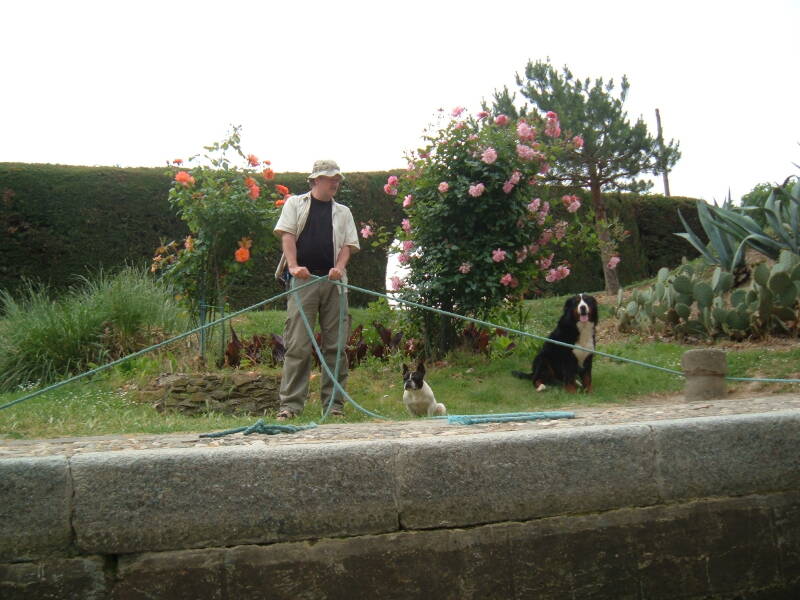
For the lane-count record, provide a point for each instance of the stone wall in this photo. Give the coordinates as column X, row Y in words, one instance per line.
column 228, row 393
column 691, row 508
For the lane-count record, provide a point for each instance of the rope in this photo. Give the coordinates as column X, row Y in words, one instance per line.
column 337, row 386
column 260, row 427
column 323, row 364
column 506, row 418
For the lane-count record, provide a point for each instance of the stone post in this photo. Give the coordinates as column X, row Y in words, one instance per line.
column 705, row 374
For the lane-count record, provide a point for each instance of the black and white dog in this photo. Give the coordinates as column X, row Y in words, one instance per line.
column 556, row 364
column 418, row 395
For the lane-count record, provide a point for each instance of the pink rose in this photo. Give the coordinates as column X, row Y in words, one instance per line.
column 366, row 232
column 489, row 156
column 408, row 201
column 482, row 115
column 613, row 262
column 552, row 129
column 397, row 283
column 534, row 204
column 525, row 152
column 577, row 141
column 544, row 263
column 552, row 275
column 405, row 224
column 476, row 190
column 545, row 238
column 574, row 206
column 457, row 111
column 525, row 131
column 392, row 191
column 563, row 271
column 498, row 255
column 560, row 229
column 522, row 254
column 508, row 187
column 443, row 187
column 408, row 245
column 501, row 120
column 465, row 267
column 515, row 177
column 509, row 280
column 403, row 258
column 393, row 181
column 550, row 116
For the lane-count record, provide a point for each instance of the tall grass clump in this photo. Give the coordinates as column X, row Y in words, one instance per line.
column 103, row 317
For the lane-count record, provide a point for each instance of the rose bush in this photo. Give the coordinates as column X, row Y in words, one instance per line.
column 479, row 230
column 230, row 213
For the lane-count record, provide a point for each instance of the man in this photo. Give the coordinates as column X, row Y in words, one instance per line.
column 318, row 237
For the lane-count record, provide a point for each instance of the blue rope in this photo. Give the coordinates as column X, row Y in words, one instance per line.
column 260, row 427
column 338, row 387
column 506, row 418
column 323, row 365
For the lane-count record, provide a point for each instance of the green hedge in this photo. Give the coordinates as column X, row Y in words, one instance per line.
column 62, row 221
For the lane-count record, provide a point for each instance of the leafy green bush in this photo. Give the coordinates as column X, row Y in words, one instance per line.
column 105, row 317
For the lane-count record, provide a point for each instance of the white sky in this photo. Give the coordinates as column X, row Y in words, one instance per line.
column 139, row 83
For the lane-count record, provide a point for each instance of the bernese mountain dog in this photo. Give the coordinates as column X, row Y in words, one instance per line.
column 562, row 365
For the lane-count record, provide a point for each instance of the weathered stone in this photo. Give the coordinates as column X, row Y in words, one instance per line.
column 185, row 574
column 705, row 371
column 525, row 475
column 55, row 578
column 728, row 456
column 459, row 564
column 150, row 500
column 34, row 507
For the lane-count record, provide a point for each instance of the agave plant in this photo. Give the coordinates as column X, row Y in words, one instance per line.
column 730, row 230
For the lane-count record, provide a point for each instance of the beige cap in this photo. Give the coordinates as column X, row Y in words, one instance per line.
column 329, row 168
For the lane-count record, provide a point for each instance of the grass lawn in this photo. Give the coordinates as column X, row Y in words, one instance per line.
column 467, row 383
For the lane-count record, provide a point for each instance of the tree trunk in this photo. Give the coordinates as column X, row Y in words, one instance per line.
column 601, row 226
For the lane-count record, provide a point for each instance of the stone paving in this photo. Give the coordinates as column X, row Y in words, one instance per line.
column 673, row 407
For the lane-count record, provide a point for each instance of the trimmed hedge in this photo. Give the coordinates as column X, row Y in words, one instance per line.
column 62, row 221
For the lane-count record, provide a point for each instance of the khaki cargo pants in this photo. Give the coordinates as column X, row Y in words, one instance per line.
column 319, row 300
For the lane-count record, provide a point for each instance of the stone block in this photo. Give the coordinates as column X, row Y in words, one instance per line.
column 705, row 371
column 728, row 456
column 55, row 579
column 34, row 507
column 456, row 564
column 139, row 501
column 523, row 475
column 180, row 575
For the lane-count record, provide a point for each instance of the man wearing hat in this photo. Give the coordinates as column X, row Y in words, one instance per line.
column 318, row 237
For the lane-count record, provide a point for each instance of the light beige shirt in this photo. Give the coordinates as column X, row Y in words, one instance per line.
column 293, row 219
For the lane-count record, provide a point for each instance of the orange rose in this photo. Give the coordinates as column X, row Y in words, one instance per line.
column 281, row 189
column 178, row 161
column 268, row 174
column 184, row 178
column 252, row 159
column 242, row 255
column 280, row 202
column 254, row 191
column 249, row 182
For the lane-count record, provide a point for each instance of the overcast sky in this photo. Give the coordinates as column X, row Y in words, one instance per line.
column 140, row 83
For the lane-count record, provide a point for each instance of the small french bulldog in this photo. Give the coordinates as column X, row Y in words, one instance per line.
column 418, row 395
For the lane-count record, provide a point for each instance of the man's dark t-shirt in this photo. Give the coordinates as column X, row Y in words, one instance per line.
column 315, row 243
